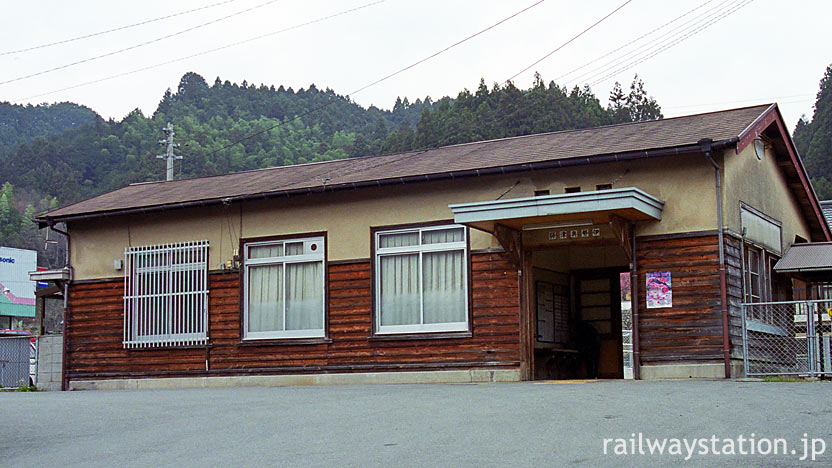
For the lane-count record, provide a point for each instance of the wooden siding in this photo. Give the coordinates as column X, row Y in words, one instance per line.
column 691, row 330
column 95, row 326
column 733, row 278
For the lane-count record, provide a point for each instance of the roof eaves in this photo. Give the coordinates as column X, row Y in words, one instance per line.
column 46, row 219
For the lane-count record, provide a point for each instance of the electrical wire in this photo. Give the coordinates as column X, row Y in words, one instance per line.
column 205, row 52
column 362, row 88
column 660, row 41
column 656, row 41
column 120, row 28
column 569, row 41
column 136, row 46
column 660, row 44
column 631, row 42
column 691, row 23
column 670, row 45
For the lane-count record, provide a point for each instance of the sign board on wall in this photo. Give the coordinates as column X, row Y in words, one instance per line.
column 761, row 229
column 17, row 292
column 659, row 290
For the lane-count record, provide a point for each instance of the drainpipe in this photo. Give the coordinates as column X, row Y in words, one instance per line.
column 705, row 145
column 64, row 336
column 634, row 304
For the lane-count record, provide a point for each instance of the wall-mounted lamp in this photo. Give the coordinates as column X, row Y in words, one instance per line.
column 759, row 147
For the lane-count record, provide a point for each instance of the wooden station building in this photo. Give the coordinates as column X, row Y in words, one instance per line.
column 484, row 261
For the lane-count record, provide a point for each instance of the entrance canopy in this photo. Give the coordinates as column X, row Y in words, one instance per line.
column 547, row 211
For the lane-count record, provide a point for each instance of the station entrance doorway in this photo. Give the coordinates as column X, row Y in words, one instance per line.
column 582, row 319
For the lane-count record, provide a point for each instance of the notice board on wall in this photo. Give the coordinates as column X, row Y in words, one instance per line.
column 552, row 313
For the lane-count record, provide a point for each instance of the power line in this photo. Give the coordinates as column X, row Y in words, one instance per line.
column 205, row 52
column 659, row 42
column 632, row 42
column 120, row 28
column 661, row 47
column 668, row 46
column 401, row 70
column 654, row 42
column 136, row 46
column 569, row 41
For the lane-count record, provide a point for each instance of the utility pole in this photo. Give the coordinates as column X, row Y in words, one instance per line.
column 169, row 156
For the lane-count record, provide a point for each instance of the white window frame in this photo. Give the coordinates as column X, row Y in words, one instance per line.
column 283, row 260
column 420, row 249
column 170, row 312
column 753, row 276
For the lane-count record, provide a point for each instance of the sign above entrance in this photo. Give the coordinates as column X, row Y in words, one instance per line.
column 572, row 234
column 567, row 235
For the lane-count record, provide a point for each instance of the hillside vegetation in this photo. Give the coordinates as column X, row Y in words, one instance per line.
column 69, row 153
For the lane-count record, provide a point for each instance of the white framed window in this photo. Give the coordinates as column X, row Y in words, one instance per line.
column 166, row 295
column 754, row 274
column 421, row 280
column 284, row 289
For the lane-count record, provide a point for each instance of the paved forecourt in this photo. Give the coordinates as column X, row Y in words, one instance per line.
column 510, row 424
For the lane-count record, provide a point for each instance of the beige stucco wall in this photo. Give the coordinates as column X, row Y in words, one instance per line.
column 684, row 183
column 761, row 185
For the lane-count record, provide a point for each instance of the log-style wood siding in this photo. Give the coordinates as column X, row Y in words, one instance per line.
column 95, row 331
column 691, row 330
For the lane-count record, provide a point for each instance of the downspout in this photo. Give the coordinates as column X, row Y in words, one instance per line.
column 705, row 145
column 634, row 304
column 64, row 336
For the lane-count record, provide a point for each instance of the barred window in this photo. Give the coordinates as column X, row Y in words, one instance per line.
column 166, row 295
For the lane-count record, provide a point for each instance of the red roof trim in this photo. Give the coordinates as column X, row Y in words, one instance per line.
column 757, row 127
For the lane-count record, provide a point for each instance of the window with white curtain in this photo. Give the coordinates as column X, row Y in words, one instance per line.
column 284, row 289
column 421, row 278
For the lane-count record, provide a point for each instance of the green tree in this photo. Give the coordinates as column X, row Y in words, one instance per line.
column 813, row 138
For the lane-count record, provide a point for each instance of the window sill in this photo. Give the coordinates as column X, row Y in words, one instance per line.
column 169, row 348
column 420, row 336
column 283, row 341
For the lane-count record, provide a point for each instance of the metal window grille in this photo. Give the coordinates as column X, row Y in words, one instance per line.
column 166, row 295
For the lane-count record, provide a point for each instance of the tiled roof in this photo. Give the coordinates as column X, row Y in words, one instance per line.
column 826, row 206
column 566, row 145
column 815, row 256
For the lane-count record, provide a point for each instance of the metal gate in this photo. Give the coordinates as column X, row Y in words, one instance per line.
column 15, row 361
column 787, row 338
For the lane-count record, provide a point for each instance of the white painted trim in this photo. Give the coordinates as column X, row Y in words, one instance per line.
column 567, row 203
column 308, row 256
column 419, row 249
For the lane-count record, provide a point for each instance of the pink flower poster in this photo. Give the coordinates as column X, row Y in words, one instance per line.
column 659, row 290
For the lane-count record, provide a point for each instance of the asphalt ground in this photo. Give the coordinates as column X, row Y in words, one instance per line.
column 522, row 424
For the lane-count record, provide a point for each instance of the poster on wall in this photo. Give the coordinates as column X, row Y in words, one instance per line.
column 659, row 290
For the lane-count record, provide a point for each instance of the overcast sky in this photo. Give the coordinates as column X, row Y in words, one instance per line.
column 765, row 51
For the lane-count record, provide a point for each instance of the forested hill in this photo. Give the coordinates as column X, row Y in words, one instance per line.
column 813, row 139
column 22, row 124
column 228, row 127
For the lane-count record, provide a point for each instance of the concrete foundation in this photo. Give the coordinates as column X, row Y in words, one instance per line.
column 369, row 378
column 715, row 370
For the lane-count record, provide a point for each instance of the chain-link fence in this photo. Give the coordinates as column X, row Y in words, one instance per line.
column 787, row 338
column 15, row 361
